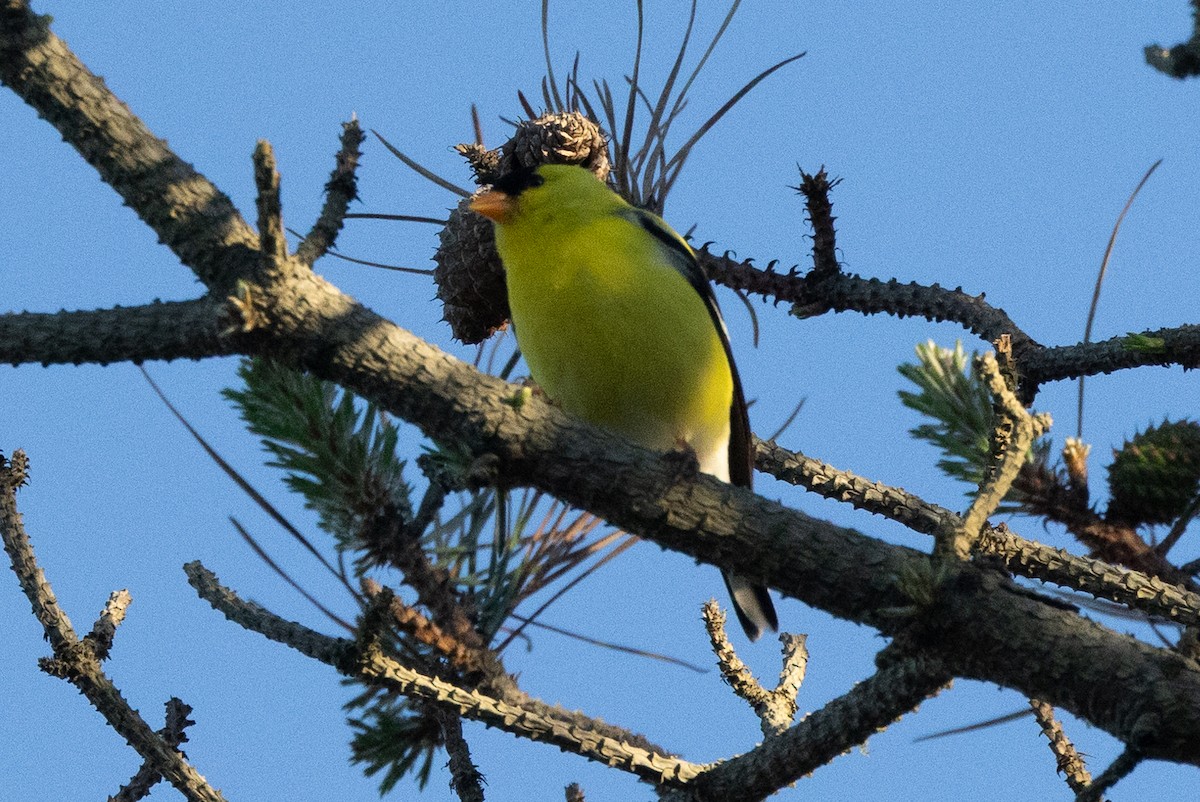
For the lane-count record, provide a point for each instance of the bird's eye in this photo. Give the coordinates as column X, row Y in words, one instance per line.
column 517, row 181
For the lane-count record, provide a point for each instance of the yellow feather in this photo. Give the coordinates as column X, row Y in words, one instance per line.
column 612, row 328
column 614, row 333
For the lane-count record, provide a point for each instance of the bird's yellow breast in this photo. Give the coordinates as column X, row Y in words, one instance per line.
column 618, row 337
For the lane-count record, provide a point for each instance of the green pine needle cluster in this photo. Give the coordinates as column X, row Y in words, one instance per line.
column 393, row 739
column 953, row 395
column 339, row 453
column 340, row 459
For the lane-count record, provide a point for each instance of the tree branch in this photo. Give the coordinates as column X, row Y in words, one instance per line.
column 157, row 330
column 174, row 733
column 845, row 292
column 339, row 192
column 1146, row 592
column 1066, row 757
column 75, row 660
column 824, row 734
column 368, row 662
column 191, row 217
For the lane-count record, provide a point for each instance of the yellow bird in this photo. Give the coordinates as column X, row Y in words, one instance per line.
column 619, row 325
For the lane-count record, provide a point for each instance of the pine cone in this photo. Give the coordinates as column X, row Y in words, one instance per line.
column 1156, row 475
column 469, row 275
column 567, row 138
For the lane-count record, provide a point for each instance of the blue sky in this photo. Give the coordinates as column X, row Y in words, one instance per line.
column 990, row 149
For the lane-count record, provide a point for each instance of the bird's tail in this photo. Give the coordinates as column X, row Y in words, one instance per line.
column 753, row 605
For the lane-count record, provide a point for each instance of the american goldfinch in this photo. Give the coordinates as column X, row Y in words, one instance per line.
column 619, row 325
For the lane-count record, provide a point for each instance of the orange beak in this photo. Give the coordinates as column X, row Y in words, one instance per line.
column 494, row 205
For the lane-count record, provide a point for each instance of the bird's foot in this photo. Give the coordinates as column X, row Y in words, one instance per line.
column 683, row 462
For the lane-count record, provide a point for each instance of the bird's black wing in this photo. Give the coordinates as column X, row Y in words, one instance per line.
column 683, row 259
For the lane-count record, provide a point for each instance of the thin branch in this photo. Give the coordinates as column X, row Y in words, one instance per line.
column 1179, row 528
column 815, row 189
column 157, row 330
column 1134, row 589
column 340, row 191
column 845, row 722
column 1179, row 345
column 100, row 639
column 174, row 733
column 467, row 660
column 1118, row 770
column 775, row 708
column 73, row 659
column 893, row 503
column 733, row 670
column 190, row 216
column 1013, row 434
column 465, row 778
column 847, row 292
column 367, row 662
column 272, row 242
column 1070, row 764
column 1028, row 558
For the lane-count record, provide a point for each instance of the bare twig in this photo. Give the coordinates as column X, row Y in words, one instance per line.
column 815, row 189
column 272, row 243
column 572, row 733
column 340, row 191
column 75, row 660
column 733, row 670
column 465, row 778
column 1070, row 764
column 1118, row 770
column 795, row 666
column 174, row 733
column 469, row 660
column 105, row 628
column 1014, row 433
column 775, row 708
column 847, row 721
